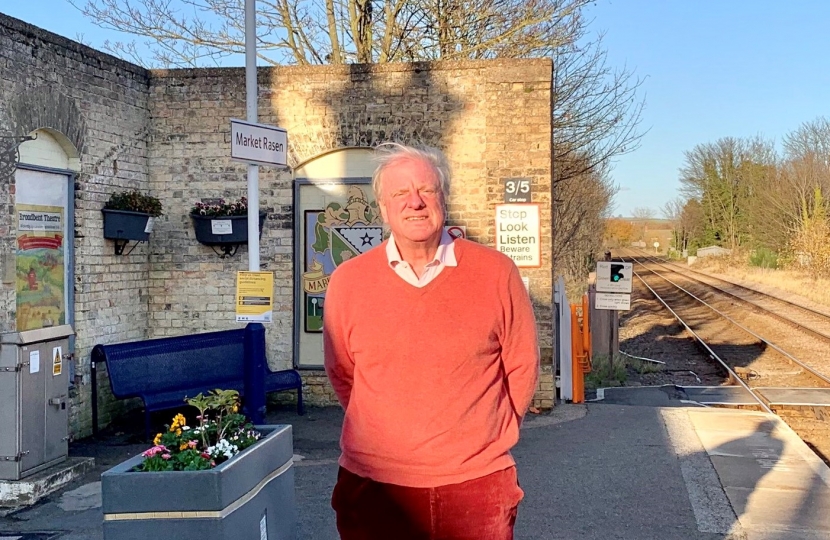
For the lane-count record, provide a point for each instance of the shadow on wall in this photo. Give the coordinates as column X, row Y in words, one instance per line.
column 364, row 105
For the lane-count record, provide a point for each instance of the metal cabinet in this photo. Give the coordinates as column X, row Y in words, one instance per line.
column 34, row 400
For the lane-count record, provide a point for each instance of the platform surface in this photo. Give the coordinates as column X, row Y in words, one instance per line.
column 589, row 472
column 807, row 397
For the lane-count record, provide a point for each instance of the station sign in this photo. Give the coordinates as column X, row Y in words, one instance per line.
column 614, row 277
column 519, row 233
column 258, row 144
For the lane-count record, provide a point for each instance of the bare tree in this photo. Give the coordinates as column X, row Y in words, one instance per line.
column 643, row 213
column 596, row 116
column 189, row 33
column 673, row 211
column 595, row 110
column 579, row 217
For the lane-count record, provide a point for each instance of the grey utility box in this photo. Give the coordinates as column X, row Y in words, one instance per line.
column 34, row 400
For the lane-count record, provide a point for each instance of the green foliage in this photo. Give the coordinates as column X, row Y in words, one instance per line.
column 764, row 258
column 134, row 201
column 603, row 373
column 221, row 433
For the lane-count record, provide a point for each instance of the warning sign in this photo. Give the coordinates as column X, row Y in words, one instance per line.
column 254, row 297
column 57, row 361
column 456, row 231
column 518, row 233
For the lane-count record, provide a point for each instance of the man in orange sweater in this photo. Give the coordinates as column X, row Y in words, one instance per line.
column 431, row 346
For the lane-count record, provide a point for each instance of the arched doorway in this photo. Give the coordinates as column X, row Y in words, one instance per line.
column 336, row 217
column 44, row 219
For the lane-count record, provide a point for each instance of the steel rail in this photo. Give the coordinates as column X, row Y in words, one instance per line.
column 816, row 333
column 712, row 354
column 810, row 310
column 739, row 325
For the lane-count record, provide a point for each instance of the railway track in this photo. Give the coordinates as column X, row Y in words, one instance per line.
column 800, row 317
column 735, row 339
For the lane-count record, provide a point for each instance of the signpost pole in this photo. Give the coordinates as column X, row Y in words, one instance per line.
column 611, row 319
column 255, row 353
column 251, row 102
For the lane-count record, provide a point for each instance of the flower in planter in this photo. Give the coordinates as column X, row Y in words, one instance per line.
column 134, row 201
column 221, row 208
column 220, row 433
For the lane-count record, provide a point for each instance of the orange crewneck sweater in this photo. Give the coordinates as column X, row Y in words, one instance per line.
column 435, row 381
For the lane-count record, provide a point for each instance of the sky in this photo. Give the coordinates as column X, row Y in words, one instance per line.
column 708, row 68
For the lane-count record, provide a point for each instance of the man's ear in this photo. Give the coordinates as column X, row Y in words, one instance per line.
column 382, row 208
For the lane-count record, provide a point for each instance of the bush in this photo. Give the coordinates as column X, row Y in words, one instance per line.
column 764, row 258
column 603, row 374
column 134, row 201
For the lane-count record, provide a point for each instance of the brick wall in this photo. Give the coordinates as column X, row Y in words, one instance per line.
column 99, row 103
column 167, row 133
column 491, row 118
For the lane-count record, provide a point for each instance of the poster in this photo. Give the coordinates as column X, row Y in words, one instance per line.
column 343, row 229
column 40, row 271
column 255, row 297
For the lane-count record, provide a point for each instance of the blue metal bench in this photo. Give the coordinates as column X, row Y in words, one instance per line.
column 165, row 371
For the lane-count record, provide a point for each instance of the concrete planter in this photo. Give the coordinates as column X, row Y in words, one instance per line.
column 248, row 497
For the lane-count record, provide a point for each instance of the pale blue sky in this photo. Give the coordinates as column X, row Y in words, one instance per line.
column 711, row 68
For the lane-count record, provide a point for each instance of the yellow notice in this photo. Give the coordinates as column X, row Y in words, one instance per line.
column 254, row 297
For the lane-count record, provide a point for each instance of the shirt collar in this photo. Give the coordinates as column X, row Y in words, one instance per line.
column 445, row 254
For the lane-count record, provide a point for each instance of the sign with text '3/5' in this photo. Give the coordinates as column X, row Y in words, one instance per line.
column 614, row 276
column 519, row 233
column 258, row 144
column 517, row 190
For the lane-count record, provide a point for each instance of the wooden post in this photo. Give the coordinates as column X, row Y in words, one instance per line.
column 604, row 328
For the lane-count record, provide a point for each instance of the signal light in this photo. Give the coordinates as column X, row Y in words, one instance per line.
column 617, row 272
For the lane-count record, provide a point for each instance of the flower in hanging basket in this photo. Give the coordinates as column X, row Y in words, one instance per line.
column 221, row 208
column 134, row 201
column 219, row 434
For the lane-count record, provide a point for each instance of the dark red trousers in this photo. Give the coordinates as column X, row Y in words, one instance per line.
column 480, row 509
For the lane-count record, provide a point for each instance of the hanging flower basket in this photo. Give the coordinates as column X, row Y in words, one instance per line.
column 223, row 225
column 221, row 231
column 129, row 215
column 125, row 225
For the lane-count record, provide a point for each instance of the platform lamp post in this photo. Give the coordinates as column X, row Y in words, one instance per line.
column 255, row 361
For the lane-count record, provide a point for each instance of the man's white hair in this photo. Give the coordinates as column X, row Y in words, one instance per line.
column 389, row 153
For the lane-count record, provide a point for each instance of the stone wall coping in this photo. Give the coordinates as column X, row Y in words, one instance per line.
column 355, row 69
column 32, row 31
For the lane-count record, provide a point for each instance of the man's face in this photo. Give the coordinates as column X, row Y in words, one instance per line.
column 411, row 201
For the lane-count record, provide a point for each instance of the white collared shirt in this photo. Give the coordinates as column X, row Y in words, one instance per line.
column 444, row 256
